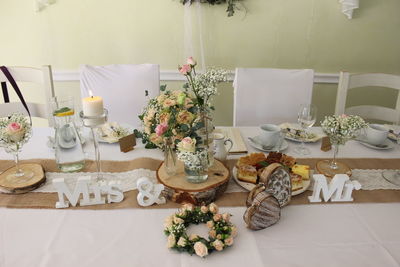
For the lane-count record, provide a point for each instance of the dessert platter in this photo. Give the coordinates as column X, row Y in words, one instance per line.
column 252, row 169
column 112, row 132
column 293, row 132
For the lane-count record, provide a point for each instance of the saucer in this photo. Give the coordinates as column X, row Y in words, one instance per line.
column 256, row 143
column 386, row 144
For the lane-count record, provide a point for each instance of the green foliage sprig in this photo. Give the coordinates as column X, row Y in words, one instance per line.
column 231, row 4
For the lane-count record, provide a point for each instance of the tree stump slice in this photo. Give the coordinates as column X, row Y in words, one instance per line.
column 16, row 186
column 179, row 190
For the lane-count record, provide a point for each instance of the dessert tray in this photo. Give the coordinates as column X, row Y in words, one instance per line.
column 255, row 167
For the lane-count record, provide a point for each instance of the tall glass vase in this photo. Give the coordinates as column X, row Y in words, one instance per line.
column 170, row 159
column 331, row 167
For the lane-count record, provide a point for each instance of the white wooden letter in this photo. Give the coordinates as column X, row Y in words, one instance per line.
column 149, row 193
column 338, row 190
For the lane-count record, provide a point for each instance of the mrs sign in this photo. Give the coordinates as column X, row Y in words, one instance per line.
column 338, row 190
column 113, row 192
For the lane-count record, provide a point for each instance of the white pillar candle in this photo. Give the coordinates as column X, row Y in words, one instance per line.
column 93, row 106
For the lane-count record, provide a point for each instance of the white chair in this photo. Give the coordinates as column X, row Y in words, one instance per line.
column 349, row 81
column 270, row 95
column 41, row 76
column 122, row 88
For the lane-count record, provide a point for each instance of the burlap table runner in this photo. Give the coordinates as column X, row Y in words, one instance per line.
column 48, row 200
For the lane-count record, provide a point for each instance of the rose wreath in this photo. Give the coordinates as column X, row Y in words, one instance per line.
column 221, row 232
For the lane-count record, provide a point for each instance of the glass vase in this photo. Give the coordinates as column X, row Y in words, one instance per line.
column 331, row 167
column 196, row 170
column 169, row 157
column 206, row 136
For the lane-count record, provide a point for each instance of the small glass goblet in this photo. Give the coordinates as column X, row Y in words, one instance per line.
column 306, row 118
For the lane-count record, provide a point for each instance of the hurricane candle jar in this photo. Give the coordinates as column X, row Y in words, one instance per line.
column 67, row 141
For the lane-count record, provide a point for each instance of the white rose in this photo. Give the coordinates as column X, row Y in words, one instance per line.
column 168, row 221
column 181, row 242
column 210, row 224
column 200, row 249
column 193, row 237
column 204, row 209
column 226, row 217
column 234, row 231
column 178, row 220
column 187, row 145
column 217, row 217
column 171, row 241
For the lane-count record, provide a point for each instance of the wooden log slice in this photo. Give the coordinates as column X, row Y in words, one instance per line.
column 264, row 211
column 20, row 186
column 179, row 190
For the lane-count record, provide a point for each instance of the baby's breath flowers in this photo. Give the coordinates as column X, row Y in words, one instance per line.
column 341, row 128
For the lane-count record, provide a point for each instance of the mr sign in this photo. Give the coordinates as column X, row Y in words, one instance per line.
column 338, row 190
column 113, row 191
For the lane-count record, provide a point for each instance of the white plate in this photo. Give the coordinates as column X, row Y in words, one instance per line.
column 258, row 146
column 250, row 186
column 112, row 140
column 388, row 144
column 318, row 136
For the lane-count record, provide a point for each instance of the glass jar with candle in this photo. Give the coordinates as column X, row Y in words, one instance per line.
column 67, row 141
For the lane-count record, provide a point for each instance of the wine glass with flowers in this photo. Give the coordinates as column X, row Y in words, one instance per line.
column 15, row 131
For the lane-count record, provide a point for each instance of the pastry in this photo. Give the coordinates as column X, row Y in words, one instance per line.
column 247, row 173
column 297, row 182
column 251, row 159
column 302, row 170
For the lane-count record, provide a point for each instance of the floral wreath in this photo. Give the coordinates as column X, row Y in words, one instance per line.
column 221, row 232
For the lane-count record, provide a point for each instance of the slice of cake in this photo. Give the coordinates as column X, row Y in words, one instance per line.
column 297, row 182
column 247, row 173
column 251, row 159
column 302, row 170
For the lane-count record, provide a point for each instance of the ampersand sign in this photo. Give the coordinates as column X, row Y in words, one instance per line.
column 149, row 193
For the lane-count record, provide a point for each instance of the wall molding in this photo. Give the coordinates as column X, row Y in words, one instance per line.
column 172, row 75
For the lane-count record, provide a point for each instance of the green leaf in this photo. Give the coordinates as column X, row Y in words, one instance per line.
column 137, row 133
column 163, row 87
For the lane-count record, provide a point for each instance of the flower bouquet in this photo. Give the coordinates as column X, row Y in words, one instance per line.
column 15, row 131
column 339, row 129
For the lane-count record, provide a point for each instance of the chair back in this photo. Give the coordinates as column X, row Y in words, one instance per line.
column 122, row 87
column 270, row 95
column 349, row 81
column 41, row 76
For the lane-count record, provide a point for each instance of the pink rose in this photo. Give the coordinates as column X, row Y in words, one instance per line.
column 218, row 245
column 234, row 231
column 213, row 208
column 193, row 237
column 171, row 241
column 169, row 103
column 188, row 206
column 204, row 209
column 226, row 217
column 229, row 241
column 15, row 132
column 217, row 217
column 200, row 249
column 161, row 129
column 191, row 61
column 210, row 224
column 212, row 234
column 185, row 69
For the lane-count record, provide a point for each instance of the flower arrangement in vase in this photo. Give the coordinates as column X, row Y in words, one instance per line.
column 195, row 152
column 181, row 120
column 15, row 131
column 339, row 129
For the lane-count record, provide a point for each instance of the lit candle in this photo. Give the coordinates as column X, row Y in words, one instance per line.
column 93, row 106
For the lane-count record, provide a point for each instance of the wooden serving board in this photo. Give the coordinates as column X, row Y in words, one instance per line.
column 20, row 186
column 179, row 190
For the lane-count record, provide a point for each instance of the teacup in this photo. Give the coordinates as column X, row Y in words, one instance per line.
column 270, row 134
column 376, row 134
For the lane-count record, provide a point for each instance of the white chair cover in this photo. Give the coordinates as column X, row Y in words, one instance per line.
column 122, row 88
column 270, row 95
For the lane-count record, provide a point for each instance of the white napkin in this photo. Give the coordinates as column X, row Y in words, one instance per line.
column 348, row 7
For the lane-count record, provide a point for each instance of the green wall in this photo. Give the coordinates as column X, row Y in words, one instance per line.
column 271, row 33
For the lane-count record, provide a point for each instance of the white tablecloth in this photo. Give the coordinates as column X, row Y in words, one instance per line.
column 307, row 235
